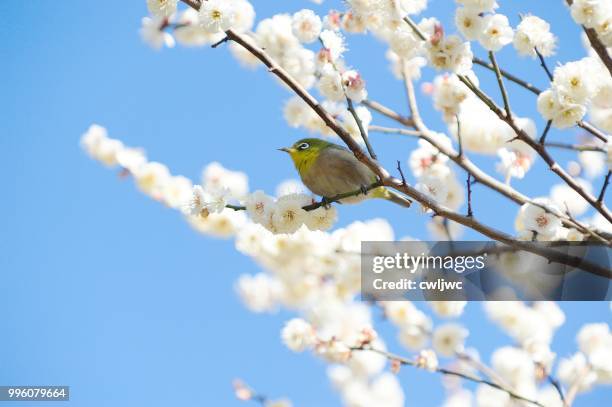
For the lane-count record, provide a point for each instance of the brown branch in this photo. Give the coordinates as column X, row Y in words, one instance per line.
column 602, row 193
column 543, row 64
column 513, row 78
column 545, row 133
column 469, row 195
column 541, row 150
column 509, row 76
column 364, row 134
column 575, row 147
column 385, row 178
column 500, row 83
column 409, row 362
column 596, row 43
column 482, row 177
column 385, row 111
column 575, row 387
column 325, row 200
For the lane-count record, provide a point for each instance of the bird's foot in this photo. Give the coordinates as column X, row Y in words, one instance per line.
column 364, row 189
column 326, row 202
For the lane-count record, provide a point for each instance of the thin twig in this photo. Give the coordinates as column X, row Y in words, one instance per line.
column 391, row 130
column 409, row 362
column 406, row 121
column 509, row 76
column 469, row 195
column 460, row 153
column 221, row 41
column 325, row 200
column 362, row 131
column 513, row 78
column 575, row 147
column 555, row 383
column 602, row 193
column 572, row 392
column 552, row 164
column 545, row 133
column 543, row 64
column 500, row 82
column 399, row 168
column 415, row 28
column 479, row 175
column 395, row 183
column 597, row 45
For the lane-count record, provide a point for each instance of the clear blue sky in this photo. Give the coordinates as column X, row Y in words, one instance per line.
column 107, row 291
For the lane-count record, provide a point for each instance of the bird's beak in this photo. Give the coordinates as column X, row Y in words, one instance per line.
column 285, row 149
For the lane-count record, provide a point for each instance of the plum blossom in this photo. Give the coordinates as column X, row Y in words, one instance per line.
column 152, row 32
column 496, row 33
column 216, row 15
column 534, row 33
column 298, row 335
column 306, row 26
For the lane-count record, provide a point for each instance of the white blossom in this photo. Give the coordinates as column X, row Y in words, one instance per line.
column 479, row 5
column 288, row 215
column 216, row 15
column 536, row 219
column 333, row 42
column 321, row 218
column 512, row 164
column 162, row 8
column 151, row 178
column 496, row 33
column 469, row 22
column 575, row 371
column 586, row 12
column 298, row 335
column 354, row 86
column 448, row 309
column 427, row 359
column 215, row 176
column 330, row 84
column 152, row 33
column 567, row 198
column 259, row 292
column 534, row 33
column 448, row 339
column 450, row 53
column 260, row 207
column 593, row 336
column 306, row 26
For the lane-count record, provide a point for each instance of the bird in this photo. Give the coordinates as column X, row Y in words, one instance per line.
column 328, row 170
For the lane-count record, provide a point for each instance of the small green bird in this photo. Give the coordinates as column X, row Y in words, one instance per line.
column 328, row 169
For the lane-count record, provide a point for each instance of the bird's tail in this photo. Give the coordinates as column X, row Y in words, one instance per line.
column 392, row 196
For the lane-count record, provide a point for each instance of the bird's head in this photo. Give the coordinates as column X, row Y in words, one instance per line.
column 305, row 151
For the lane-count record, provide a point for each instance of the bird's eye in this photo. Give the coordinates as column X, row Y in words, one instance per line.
column 303, row 146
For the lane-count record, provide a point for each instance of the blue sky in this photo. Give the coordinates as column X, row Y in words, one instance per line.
column 107, row 291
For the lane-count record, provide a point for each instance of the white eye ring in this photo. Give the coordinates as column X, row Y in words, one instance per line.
column 303, row 146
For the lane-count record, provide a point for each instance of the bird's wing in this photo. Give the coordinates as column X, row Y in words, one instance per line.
column 337, row 171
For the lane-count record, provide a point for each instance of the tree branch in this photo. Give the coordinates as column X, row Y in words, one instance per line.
column 364, row 134
column 384, row 176
column 500, row 83
column 575, row 147
column 602, row 193
column 409, row 362
column 582, row 124
column 596, row 43
column 325, row 200
column 543, row 64
column 541, row 150
column 487, row 180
